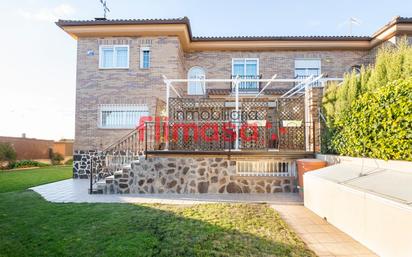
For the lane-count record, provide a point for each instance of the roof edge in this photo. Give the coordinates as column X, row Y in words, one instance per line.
column 380, row 35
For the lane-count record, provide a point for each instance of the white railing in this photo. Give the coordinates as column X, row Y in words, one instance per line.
column 274, row 168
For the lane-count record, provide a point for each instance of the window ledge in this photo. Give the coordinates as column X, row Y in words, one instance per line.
column 101, row 68
column 103, row 128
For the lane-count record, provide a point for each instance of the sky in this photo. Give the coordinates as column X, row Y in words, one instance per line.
column 38, row 64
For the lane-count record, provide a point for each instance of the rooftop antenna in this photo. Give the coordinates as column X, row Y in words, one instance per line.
column 105, row 8
column 353, row 21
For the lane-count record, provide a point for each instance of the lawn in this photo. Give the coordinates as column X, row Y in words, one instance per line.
column 15, row 180
column 31, row 226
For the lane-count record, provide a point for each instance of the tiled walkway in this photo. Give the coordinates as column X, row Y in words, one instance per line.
column 75, row 190
column 323, row 238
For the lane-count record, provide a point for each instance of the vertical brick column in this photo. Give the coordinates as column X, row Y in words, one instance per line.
column 314, row 102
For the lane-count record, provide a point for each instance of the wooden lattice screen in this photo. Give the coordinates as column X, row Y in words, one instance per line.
column 191, row 112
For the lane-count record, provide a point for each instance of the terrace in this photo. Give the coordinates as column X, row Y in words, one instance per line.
column 249, row 115
column 255, row 136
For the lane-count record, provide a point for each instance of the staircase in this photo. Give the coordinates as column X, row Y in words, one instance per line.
column 120, row 176
column 120, row 155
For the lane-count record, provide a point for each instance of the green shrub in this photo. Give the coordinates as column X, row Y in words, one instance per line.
column 56, row 158
column 7, row 153
column 378, row 124
column 345, row 131
column 68, row 162
column 26, row 164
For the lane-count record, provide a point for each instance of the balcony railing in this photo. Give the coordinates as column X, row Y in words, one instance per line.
column 247, row 87
column 303, row 77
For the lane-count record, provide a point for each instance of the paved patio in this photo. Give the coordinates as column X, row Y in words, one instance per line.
column 75, row 191
column 321, row 237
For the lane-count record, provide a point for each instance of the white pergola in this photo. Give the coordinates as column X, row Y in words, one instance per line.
column 301, row 89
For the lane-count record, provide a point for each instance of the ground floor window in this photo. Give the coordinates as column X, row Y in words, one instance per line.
column 121, row 116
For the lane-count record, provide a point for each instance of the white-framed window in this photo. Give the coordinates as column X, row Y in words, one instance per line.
column 121, row 116
column 196, row 87
column 114, row 57
column 307, row 67
column 145, row 57
column 246, row 68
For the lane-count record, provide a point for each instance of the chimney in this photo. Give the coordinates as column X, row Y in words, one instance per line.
column 23, row 135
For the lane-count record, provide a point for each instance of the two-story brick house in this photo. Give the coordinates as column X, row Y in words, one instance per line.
column 122, row 67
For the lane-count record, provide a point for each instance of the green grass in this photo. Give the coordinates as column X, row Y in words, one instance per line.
column 31, row 226
column 15, row 180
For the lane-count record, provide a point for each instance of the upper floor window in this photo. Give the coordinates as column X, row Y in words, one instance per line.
column 121, row 116
column 307, row 67
column 246, row 68
column 196, row 87
column 114, row 57
column 144, row 57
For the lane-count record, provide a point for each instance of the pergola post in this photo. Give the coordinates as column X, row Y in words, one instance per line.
column 237, row 113
column 167, row 114
column 307, row 118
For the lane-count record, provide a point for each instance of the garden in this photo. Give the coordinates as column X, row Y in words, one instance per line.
column 31, row 226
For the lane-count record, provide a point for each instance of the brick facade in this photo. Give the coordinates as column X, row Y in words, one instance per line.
column 120, row 86
column 145, row 86
column 218, row 64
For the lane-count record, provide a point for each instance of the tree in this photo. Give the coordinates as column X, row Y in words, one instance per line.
column 7, row 153
column 56, row 158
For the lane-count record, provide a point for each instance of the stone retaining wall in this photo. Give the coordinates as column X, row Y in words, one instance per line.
column 82, row 163
column 192, row 175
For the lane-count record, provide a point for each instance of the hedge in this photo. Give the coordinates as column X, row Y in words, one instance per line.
column 362, row 113
column 378, row 124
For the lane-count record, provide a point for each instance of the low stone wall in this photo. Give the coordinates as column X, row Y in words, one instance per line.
column 332, row 159
column 82, row 163
column 192, row 175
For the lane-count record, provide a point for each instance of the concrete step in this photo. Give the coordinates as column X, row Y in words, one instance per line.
column 118, row 174
column 101, row 184
column 134, row 164
column 109, row 178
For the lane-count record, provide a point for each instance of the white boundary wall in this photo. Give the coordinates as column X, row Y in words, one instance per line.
column 380, row 223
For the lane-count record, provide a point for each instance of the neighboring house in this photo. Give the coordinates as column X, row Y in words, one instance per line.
column 128, row 69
